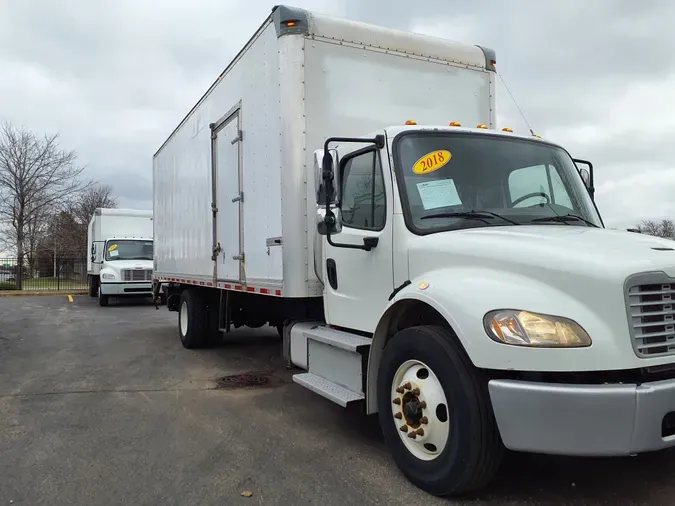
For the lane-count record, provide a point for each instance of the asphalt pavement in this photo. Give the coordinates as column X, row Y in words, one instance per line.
column 103, row 406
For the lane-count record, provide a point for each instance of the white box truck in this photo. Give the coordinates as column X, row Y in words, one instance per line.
column 347, row 184
column 119, row 261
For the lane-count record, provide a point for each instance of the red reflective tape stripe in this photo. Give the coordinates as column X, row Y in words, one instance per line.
column 209, row 284
column 266, row 291
column 278, row 292
column 238, row 287
column 250, row 288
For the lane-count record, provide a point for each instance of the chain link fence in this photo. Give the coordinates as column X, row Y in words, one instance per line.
column 44, row 274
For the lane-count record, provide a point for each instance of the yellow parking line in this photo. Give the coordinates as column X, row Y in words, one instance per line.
column 70, row 298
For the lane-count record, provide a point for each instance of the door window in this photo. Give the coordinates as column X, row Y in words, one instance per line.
column 363, row 201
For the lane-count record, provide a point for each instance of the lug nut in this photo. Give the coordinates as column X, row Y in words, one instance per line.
column 416, row 391
column 398, row 415
column 420, row 432
column 424, row 420
column 404, row 428
column 423, row 404
column 396, row 401
column 400, row 390
column 412, row 435
column 407, row 386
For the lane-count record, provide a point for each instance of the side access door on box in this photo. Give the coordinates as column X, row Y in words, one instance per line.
column 228, row 197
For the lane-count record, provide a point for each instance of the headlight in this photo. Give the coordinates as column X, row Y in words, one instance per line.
column 523, row 328
column 106, row 275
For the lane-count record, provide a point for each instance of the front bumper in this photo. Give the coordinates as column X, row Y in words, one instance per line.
column 583, row 420
column 119, row 289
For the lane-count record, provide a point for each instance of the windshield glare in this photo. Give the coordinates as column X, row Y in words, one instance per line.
column 128, row 250
column 511, row 181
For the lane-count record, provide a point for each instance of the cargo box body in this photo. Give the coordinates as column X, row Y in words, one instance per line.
column 234, row 200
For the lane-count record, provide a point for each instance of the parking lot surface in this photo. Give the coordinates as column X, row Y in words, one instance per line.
column 102, row 406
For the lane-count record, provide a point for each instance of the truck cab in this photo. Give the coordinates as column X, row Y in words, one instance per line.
column 495, row 308
column 125, row 268
column 437, row 195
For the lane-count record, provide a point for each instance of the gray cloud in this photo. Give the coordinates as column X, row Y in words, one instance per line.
column 115, row 79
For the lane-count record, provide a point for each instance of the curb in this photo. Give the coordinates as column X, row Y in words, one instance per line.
column 32, row 293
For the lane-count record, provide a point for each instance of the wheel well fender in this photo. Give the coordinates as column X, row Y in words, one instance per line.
column 403, row 313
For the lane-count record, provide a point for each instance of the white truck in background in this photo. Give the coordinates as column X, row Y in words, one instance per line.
column 119, row 260
column 346, row 183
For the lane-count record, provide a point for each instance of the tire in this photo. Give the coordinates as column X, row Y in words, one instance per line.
column 192, row 320
column 93, row 286
column 103, row 300
column 472, row 449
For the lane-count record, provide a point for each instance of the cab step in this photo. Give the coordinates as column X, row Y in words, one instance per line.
column 338, row 339
column 331, row 391
column 335, row 361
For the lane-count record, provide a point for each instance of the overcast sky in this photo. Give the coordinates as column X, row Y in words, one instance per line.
column 115, row 78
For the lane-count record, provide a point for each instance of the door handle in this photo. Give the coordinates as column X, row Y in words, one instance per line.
column 331, row 273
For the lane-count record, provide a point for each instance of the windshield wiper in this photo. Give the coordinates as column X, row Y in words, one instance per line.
column 564, row 218
column 472, row 215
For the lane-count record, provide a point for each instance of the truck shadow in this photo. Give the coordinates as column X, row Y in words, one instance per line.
column 543, row 479
column 129, row 302
column 521, row 479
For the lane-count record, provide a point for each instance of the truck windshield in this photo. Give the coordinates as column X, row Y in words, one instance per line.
column 128, row 249
column 452, row 181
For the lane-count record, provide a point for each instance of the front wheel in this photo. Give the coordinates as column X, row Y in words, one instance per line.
column 103, row 300
column 435, row 413
column 93, row 286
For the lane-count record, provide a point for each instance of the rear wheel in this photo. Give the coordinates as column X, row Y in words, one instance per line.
column 192, row 319
column 435, row 412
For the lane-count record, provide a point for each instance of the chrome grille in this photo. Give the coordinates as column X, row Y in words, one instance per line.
column 136, row 274
column 651, row 312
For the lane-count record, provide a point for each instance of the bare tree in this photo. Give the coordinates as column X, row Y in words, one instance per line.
column 668, row 228
column 36, row 176
column 664, row 228
column 87, row 201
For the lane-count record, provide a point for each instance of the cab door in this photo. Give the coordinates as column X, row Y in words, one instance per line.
column 357, row 283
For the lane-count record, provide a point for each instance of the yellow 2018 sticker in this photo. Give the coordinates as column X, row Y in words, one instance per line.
column 432, row 161
column 113, row 247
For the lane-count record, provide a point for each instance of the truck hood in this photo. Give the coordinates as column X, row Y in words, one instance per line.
column 529, row 249
column 118, row 265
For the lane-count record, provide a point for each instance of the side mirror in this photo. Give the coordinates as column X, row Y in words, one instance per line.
column 328, row 222
column 323, row 166
column 586, row 176
column 327, row 186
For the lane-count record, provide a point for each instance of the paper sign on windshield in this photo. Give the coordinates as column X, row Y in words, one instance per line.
column 432, row 161
column 438, row 193
column 114, row 253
